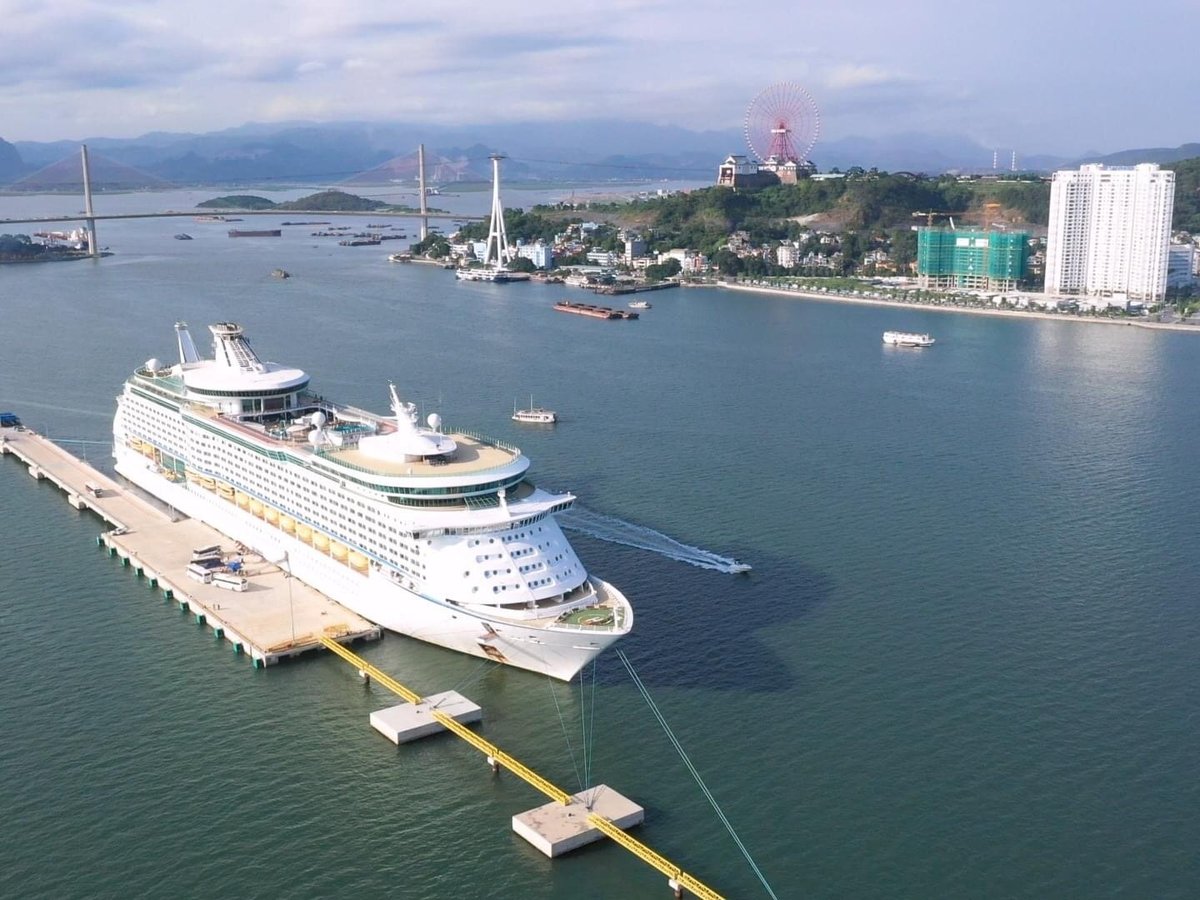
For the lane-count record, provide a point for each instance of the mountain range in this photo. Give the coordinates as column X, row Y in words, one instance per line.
column 361, row 153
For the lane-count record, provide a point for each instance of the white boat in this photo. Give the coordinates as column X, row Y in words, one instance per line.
column 534, row 415
column 907, row 339
column 437, row 535
column 486, row 273
column 639, row 304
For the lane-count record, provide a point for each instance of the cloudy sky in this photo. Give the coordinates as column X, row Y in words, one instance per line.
column 1059, row 76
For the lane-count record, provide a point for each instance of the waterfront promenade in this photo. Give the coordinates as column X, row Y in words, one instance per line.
column 969, row 310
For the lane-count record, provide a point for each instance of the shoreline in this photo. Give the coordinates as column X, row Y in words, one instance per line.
column 970, row 310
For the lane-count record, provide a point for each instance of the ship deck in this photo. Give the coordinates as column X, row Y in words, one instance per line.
column 473, row 453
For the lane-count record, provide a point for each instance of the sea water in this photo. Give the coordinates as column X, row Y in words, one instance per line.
column 963, row 664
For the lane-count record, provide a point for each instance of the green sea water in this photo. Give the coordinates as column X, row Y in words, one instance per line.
column 965, row 662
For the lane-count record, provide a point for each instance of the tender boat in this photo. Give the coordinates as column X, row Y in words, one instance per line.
column 534, row 415
column 907, row 339
column 639, row 304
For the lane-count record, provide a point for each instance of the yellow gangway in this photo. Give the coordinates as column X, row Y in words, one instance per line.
column 678, row 877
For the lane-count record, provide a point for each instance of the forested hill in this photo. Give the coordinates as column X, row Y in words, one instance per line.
column 867, row 201
column 1187, row 194
column 870, row 201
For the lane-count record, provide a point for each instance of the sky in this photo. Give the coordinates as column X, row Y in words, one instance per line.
column 1052, row 76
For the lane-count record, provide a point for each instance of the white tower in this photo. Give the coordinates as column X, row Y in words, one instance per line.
column 496, row 233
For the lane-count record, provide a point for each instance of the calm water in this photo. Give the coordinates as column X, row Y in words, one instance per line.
column 965, row 663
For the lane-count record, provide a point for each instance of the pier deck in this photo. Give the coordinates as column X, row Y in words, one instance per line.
column 275, row 617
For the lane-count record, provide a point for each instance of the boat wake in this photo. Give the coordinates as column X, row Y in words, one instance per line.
column 618, row 531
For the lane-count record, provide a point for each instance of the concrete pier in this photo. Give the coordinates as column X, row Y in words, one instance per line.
column 412, row 721
column 276, row 617
column 556, row 829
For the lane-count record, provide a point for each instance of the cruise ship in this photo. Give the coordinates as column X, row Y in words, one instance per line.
column 434, row 533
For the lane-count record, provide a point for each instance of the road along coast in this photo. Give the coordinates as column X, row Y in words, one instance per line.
column 970, row 310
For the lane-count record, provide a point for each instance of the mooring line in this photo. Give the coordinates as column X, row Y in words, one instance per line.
column 691, row 768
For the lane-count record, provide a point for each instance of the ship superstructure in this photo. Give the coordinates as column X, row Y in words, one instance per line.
column 434, row 533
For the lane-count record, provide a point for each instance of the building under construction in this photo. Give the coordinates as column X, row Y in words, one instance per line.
column 971, row 258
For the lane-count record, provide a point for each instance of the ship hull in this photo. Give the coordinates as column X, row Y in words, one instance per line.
column 559, row 652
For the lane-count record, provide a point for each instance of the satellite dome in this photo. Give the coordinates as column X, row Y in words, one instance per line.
column 153, row 364
column 318, row 419
column 435, row 421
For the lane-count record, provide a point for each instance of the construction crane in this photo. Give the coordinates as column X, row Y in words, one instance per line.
column 931, row 214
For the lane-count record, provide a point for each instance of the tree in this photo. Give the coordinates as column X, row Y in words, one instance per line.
column 522, row 264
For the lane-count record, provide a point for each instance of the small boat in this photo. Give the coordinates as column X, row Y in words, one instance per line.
column 280, row 273
column 534, row 415
column 183, row 236
column 639, row 304
column 400, row 257
column 907, row 339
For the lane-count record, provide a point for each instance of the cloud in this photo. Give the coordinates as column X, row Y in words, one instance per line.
column 864, row 75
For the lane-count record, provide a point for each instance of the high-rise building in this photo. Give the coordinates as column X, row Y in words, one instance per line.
column 1109, row 232
column 971, row 258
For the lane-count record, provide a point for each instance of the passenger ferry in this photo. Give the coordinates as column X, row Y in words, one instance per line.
column 534, row 415
column 485, row 273
column 907, row 339
column 435, row 533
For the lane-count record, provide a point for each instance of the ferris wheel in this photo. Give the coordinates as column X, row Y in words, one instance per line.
column 782, row 123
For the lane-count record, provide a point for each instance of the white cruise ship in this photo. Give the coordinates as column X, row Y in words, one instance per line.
column 433, row 533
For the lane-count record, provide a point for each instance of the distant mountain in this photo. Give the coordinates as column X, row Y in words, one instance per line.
column 595, row 151
column 1160, row 155
column 11, row 164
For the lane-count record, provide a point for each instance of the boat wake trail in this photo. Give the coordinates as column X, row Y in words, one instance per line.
column 618, row 531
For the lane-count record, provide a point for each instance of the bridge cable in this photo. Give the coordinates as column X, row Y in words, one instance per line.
column 641, row 686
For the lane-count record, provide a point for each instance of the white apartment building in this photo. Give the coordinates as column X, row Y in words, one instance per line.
column 1109, row 232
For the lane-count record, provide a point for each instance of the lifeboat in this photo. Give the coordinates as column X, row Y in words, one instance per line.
column 225, row 490
column 338, row 551
column 193, row 477
column 209, row 484
column 148, row 450
column 304, row 532
column 135, row 444
column 320, row 541
column 243, row 500
column 271, row 515
column 358, row 562
column 288, row 524
column 256, row 507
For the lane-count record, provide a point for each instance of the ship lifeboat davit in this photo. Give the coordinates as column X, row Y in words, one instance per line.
column 287, row 524
column 338, row 551
column 304, row 533
column 320, row 541
column 358, row 562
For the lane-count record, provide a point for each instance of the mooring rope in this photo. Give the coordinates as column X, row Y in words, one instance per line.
column 562, row 720
column 691, row 768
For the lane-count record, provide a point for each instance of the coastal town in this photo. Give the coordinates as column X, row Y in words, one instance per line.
column 1097, row 243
